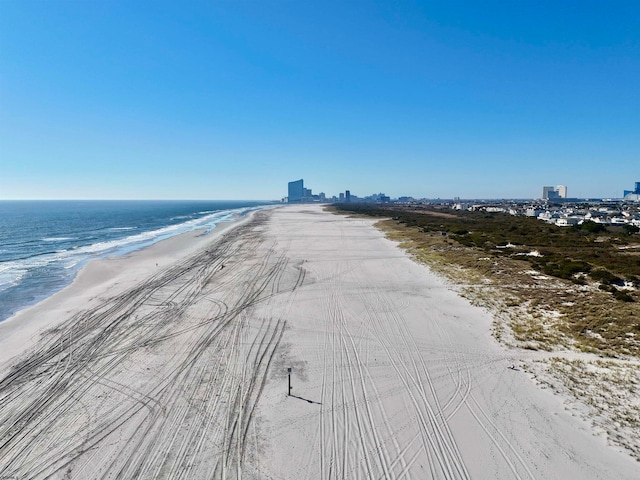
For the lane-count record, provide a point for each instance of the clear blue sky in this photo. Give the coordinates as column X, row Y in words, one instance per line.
column 233, row 99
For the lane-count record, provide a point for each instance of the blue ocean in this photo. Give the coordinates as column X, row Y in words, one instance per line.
column 43, row 244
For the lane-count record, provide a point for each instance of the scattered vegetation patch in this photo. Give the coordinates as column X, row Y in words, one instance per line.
column 609, row 390
column 590, row 227
column 605, row 277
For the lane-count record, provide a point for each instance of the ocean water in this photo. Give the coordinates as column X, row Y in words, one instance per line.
column 43, row 244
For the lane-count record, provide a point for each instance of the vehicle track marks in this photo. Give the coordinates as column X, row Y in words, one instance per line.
column 159, row 381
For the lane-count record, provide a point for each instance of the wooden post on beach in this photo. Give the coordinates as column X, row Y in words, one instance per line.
column 289, row 370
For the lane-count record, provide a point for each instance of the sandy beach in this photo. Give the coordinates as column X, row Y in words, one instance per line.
column 172, row 362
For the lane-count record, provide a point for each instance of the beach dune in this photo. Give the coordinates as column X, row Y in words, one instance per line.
column 174, row 363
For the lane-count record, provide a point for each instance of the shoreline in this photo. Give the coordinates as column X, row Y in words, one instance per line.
column 180, row 369
column 40, row 257
column 20, row 332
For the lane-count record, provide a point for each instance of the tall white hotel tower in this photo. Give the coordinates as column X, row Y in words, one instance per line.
column 562, row 191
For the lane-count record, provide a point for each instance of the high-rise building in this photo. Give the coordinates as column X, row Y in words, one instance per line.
column 347, row 196
column 633, row 195
column 634, row 192
column 562, row 191
column 548, row 192
column 296, row 191
column 553, row 193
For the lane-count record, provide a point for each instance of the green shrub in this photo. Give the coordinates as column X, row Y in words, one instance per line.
column 606, row 277
column 622, row 296
column 593, row 227
column 566, row 269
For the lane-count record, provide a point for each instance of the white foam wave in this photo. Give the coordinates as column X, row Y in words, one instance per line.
column 58, row 239
column 12, row 272
column 144, row 239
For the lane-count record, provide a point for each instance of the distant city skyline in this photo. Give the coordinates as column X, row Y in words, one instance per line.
column 297, row 192
column 229, row 100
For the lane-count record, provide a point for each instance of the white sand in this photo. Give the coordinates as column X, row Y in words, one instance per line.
column 20, row 332
column 179, row 370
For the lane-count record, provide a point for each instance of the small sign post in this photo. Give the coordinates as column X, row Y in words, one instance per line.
column 289, row 370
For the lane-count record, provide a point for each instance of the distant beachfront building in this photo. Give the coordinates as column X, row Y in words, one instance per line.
column 554, row 193
column 568, row 221
column 549, row 193
column 296, row 191
column 633, row 195
column 533, row 211
column 562, row 191
column 347, row 196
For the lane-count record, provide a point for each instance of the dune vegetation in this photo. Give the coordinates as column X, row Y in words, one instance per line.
column 552, row 286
